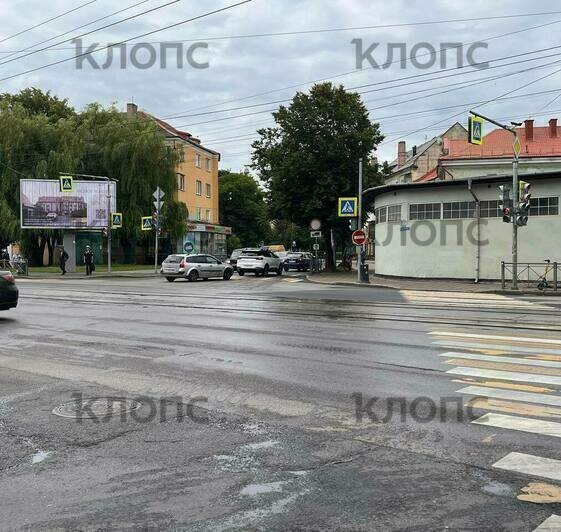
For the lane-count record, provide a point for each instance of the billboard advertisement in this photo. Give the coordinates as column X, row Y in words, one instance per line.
column 44, row 206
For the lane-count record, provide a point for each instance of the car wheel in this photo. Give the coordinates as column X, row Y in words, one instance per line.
column 170, row 279
column 193, row 276
column 279, row 271
column 241, row 273
column 227, row 275
column 266, row 270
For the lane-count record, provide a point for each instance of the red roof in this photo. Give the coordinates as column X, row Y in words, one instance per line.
column 498, row 144
column 429, row 176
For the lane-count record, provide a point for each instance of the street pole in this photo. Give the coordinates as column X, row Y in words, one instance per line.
column 157, row 229
column 514, row 224
column 109, row 224
column 359, row 220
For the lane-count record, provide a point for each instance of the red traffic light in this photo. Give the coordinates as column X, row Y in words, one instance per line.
column 506, row 211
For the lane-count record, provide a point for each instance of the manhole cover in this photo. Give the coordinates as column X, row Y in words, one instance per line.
column 96, row 407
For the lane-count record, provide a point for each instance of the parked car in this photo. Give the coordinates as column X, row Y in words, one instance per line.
column 233, row 261
column 9, row 293
column 195, row 267
column 259, row 261
column 298, row 261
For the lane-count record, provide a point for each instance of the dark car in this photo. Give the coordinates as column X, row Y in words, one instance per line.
column 297, row 261
column 233, row 261
column 8, row 291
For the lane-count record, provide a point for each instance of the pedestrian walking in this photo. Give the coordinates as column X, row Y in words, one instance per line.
column 89, row 260
column 62, row 261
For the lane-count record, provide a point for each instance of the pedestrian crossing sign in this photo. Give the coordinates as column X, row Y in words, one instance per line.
column 475, row 130
column 116, row 220
column 348, row 207
column 66, row 183
column 146, row 223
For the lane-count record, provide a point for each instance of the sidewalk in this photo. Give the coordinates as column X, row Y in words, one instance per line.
column 433, row 285
column 98, row 274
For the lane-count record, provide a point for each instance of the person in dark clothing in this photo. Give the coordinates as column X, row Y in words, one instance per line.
column 89, row 260
column 62, row 260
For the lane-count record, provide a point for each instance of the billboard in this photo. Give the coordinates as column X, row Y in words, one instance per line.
column 44, row 206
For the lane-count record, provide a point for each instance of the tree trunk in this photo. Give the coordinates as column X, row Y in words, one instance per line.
column 329, row 252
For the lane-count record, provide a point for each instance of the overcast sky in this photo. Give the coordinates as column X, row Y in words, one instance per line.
column 242, row 69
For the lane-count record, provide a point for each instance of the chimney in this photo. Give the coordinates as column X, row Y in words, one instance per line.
column 529, row 129
column 132, row 108
column 553, row 128
column 401, row 153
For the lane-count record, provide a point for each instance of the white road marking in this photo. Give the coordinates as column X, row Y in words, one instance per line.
column 524, row 424
column 551, row 524
column 503, row 359
column 506, row 375
column 494, row 337
column 528, row 464
column 512, row 395
column 498, row 347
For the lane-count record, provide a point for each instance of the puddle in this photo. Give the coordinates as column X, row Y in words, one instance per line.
column 497, row 488
column 261, row 445
column 258, row 489
column 38, row 457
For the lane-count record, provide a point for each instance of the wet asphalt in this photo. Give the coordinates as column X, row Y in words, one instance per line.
column 267, row 375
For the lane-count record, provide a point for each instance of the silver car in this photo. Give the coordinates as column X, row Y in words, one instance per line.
column 195, row 267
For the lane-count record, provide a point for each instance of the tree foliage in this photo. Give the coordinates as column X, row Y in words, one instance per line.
column 310, row 158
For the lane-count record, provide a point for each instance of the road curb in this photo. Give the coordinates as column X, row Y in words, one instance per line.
column 436, row 289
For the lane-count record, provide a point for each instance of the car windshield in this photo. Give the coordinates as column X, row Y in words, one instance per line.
column 236, row 253
column 295, row 255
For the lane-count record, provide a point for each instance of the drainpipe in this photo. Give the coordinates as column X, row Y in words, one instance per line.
column 477, row 217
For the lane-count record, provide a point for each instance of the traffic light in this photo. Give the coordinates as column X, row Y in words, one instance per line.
column 505, row 203
column 155, row 219
column 524, row 196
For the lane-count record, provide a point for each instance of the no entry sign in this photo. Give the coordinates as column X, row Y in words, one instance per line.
column 359, row 237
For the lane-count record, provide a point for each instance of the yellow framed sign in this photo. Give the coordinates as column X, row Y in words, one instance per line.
column 347, row 207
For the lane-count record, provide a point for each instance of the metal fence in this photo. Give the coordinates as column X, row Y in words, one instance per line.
column 540, row 275
column 17, row 266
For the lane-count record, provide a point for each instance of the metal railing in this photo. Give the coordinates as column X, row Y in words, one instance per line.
column 540, row 275
column 16, row 266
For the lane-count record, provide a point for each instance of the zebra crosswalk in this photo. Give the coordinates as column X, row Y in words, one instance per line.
column 516, row 381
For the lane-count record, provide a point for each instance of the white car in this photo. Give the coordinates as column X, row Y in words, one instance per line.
column 195, row 267
column 259, row 261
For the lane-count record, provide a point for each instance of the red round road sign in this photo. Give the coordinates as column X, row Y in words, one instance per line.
column 359, row 237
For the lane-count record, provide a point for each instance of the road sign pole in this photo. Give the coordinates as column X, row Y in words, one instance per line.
column 359, row 218
column 157, row 230
column 109, row 223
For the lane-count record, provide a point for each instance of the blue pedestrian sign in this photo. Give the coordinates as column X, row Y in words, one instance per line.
column 348, row 207
column 188, row 247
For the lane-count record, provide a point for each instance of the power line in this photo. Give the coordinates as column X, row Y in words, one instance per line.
column 75, row 29
column 441, row 50
column 54, row 63
column 37, row 50
column 47, row 21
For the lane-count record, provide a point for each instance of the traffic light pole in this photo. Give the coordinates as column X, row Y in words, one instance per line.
column 514, row 197
column 359, row 220
column 157, row 230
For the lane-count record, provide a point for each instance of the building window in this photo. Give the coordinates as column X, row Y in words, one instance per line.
column 425, row 211
column 197, row 160
column 544, row 206
column 199, row 214
column 490, row 209
column 181, row 182
column 199, row 188
column 394, row 213
column 381, row 215
column 458, row 209
column 208, row 166
column 208, row 215
column 207, row 190
column 181, row 154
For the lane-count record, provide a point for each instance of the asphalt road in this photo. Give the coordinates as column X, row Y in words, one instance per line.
column 277, row 404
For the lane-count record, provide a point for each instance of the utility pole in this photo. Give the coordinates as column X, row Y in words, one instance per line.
column 516, row 152
column 158, row 195
column 359, row 219
column 109, row 224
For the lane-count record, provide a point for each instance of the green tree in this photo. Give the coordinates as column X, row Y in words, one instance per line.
column 36, row 102
column 310, row 157
column 243, row 207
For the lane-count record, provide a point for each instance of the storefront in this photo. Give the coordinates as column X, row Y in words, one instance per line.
column 206, row 238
